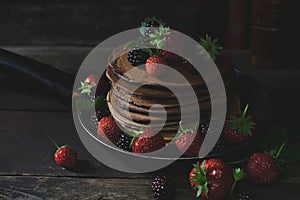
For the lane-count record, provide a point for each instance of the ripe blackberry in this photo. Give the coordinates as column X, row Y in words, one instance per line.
column 124, row 142
column 245, row 196
column 150, row 27
column 162, row 188
column 137, row 56
column 95, row 118
column 203, row 127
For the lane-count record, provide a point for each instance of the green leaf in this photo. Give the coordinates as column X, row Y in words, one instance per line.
column 84, row 105
column 238, row 174
column 199, row 191
column 101, row 104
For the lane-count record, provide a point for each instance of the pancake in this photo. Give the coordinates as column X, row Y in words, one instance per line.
column 134, row 94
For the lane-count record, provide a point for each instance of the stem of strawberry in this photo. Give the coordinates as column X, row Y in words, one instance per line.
column 245, row 111
column 50, row 138
column 238, row 174
column 280, row 149
column 237, row 162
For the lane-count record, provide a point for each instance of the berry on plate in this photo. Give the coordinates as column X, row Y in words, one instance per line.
column 239, row 129
column 147, row 142
column 163, row 188
column 189, row 141
column 154, row 66
column 212, row 179
column 137, row 56
column 65, row 156
column 108, row 129
column 124, row 142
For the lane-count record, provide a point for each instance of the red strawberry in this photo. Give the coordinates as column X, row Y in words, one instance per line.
column 262, row 169
column 239, row 129
column 91, row 79
column 108, row 130
column 153, row 68
column 147, row 142
column 190, row 143
column 212, row 179
column 65, row 156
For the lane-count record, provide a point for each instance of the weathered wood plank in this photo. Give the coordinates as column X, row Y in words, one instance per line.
column 17, row 187
column 41, row 187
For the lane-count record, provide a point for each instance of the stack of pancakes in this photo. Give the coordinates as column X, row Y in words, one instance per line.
column 136, row 99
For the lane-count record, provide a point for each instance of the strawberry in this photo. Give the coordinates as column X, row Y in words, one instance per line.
column 147, row 142
column 153, row 68
column 239, row 129
column 212, row 179
column 190, row 143
column 65, row 156
column 91, row 79
column 262, row 169
column 108, row 130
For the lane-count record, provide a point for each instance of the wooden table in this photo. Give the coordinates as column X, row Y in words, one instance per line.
column 28, row 171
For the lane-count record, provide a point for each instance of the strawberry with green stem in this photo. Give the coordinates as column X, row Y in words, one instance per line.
column 147, row 142
column 239, row 129
column 263, row 168
column 212, row 179
column 189, row 141
column 108, row 130
column 155, row 66
column 65, row 156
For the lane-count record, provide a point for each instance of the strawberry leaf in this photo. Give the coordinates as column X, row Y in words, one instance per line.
column 199, row 191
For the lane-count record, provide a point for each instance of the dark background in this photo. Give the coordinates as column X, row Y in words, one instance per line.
column 84, row 24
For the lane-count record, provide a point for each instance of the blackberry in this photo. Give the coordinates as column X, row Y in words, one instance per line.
column 203, row 128
column 245, row 196
column 124, row 142
column 149, row 27
column 95, row 118
column 162, row 188
column 137, row 56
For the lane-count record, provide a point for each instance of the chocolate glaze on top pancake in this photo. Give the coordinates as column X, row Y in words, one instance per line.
column 133, row 93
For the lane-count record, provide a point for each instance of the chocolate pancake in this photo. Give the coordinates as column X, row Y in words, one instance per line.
column 133, row 93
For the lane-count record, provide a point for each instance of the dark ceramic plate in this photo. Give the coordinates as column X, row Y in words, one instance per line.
column 249, row 91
